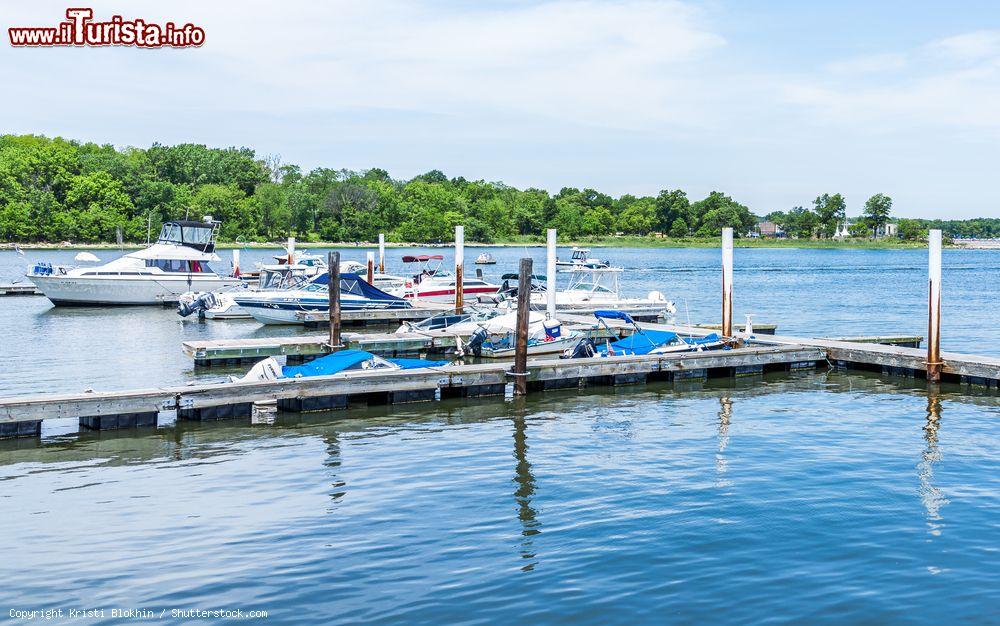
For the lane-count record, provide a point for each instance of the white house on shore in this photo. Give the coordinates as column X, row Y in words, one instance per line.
column 889, row 229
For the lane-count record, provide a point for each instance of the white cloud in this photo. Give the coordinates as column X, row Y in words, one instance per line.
column 972, row 46
column 873, row 64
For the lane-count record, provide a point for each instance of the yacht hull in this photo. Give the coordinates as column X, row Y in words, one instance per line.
column 115, row 290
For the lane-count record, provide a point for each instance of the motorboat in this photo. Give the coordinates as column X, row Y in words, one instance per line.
column 497, row 338
column 331, row 364
column 434, row 284
column 580, row 258
column 486, row 259
column 278, row 276
column 589, row 289
column 642, row 341
column 177, row 263
column 289, row 306
column 466, row 322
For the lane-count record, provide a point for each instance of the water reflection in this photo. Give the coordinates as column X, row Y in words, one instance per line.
column 931, row 497
column 332, row 462
column 721, row 462
column 523, row 493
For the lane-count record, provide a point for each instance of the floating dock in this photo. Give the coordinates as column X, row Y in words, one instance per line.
column 19, row 289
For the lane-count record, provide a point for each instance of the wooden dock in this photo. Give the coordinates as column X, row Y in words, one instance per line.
column 19, row 289
column 22, row 416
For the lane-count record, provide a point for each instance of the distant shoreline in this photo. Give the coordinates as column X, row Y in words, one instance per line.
column 609, row 242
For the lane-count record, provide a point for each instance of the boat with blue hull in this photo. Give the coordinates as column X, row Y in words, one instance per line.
column 287, row 306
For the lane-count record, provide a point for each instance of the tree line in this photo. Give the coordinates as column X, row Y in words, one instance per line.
column 53, row 189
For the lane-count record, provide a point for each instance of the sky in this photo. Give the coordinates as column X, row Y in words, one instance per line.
column 772, row 102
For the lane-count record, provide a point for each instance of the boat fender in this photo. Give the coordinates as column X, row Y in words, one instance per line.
column 656, row 296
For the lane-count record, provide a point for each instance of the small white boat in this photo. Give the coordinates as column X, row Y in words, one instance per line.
column 485, row 259
column 580, row 258
column 177, row 263
column 594, row 288
column 496, row 337
column 434, row 284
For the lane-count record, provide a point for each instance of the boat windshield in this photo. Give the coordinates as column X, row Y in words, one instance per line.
column 199, row 235
column 595, row 281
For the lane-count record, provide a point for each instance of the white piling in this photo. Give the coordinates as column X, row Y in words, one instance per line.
column 236, row 262
column 459, row 266
column 291, row 250
column 934, row 305
column 381, row 253
column 550, row 274
column 727, row 282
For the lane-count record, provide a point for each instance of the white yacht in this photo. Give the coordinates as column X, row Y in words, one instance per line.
column 178, row 262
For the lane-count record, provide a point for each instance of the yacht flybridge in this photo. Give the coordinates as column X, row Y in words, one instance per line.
column 177, row 263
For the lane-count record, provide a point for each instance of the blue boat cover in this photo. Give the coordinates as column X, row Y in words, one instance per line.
column 329, row 364
column 700, row 341
column 410, row 364
column 351, row 282
column 639, row 343
column 615, row 315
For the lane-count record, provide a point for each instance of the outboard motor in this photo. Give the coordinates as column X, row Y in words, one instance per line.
column 477, row 340
column 584, row 349
column 190, row 303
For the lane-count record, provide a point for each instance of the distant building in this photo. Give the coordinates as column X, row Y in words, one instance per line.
column 889, row 229
column 768, row 229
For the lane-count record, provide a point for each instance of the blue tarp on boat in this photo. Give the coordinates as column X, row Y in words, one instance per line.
column 614, row 315
column 700, row 341
column 640, row 342
column 329, row 364
column 351, row 282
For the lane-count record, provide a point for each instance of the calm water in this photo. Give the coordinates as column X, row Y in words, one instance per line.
column 818, row 497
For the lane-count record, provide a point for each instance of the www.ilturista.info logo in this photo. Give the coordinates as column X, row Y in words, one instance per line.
column 79, row 29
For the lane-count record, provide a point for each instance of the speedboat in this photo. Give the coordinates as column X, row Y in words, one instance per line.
column 642, row 341
column 466, row 322
column 221, row 305
column 580, row 258
column 333, row 363
column 288, row 306
column 434, row 284
column 590, row 289
column 496, row 339
column 177, row 263
column 485, row 259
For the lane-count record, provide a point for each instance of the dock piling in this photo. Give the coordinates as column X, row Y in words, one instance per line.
column 934, row 305
column 520, row 370
column 333, row 293
column 459, row 266
column 727, row 282
column 291, row 250
column 550, row 274
column 381, row 253
column 236, row 262
column 371, row 268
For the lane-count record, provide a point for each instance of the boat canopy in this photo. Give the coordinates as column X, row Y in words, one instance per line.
column 352, row 283
column 614, row 315
column 198, row 235
column 538, row 277
column 422, row 258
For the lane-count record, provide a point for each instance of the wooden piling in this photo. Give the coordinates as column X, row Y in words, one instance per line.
column 371, row 268
column 333, row 293
column 381, row 253
column 521, row 340
column 550, row 274
column 934, row 306
column 727, row 282
column 459, row 266
column 291, row 250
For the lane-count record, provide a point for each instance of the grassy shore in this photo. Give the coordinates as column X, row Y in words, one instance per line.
column 601, row 242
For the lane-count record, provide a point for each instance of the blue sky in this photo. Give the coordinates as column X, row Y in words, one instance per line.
column 771, row 102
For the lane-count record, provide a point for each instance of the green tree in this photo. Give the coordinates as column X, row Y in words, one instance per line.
column 831, row 212
column 679, row 228
column 877, row 210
